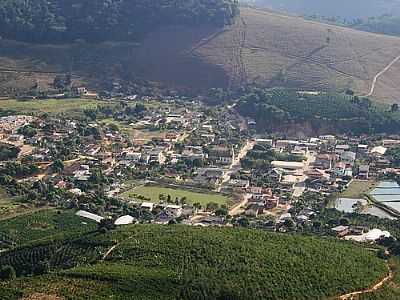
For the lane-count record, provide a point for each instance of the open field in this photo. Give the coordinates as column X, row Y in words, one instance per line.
column 153, row 192
column 265, row 48
column 183, row 262
column 139, row 134
column 358, row 188
column 51, row 106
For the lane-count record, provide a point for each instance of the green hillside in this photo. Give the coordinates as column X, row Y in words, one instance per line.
column 279, row 110
column 182, row 262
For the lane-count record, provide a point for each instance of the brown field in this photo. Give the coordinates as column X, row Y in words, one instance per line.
column 273, row 49
column 262, row 47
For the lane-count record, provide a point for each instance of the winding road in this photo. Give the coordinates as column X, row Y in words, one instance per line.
column 375, row 80
column 376, row 287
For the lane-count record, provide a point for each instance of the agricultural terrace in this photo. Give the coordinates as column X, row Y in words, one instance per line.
column 43, row 224
column 152, row 194
column 51, row 106
column 183, row 262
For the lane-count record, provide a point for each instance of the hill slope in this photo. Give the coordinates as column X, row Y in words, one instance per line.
column 261, row 47
column 274, row 49
column 182, row 262
column 343, row 8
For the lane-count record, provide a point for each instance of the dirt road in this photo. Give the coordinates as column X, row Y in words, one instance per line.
column 377, row 286
column 375, row 80
column 237, row 209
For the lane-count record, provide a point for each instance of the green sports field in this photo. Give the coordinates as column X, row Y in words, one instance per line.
column 153, row 192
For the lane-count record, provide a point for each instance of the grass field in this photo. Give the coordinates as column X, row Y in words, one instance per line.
column 358, row 188
column 183, row 262
column 153, row 193
column 141, row 134
column 52, row 106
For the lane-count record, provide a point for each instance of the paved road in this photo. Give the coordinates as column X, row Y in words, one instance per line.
column 300, row 187
column 235, row 166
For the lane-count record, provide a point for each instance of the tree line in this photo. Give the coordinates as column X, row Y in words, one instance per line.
column 99, row 20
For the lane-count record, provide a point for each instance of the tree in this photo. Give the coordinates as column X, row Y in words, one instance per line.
column 244, row 222
column 43, row 267
column 383, row 254
column 394, row 108
column 212, row 206
column 289, row 223
column 197, row 206
column 105, row 224
column 57, row 166
column 7, row 273
column 221, row 212
column 113, row 127
column 27, row 131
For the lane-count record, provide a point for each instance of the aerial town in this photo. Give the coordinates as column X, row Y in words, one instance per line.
column 142, row 160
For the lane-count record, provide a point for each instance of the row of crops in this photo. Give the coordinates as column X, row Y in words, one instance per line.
column 55, row 255
column 183, row 262
column 194, row 263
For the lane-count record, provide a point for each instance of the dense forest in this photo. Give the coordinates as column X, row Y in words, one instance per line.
column 277, row 109
column 99, row 20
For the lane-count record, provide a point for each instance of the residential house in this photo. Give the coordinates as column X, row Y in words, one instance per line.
column 323, row 162
column 175, row 210
column 254, row 209
column 339, row 169
column 264, row 142
column 285, row 144
column 147, row 206
column 362, row 149
column 221, row 155
column 348, row 157
column 239, row 184
column 363, row 172
column 329, row 139
column 339, row 149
